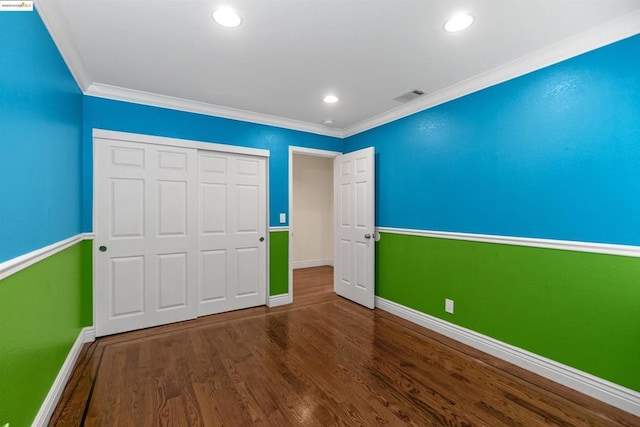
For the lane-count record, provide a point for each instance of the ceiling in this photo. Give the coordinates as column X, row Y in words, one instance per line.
column 277, row 66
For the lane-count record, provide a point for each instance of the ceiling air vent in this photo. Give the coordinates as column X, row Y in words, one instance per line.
column 409, row 96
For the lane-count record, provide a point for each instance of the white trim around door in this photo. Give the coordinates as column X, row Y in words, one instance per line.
column 307, row 152
column 176, row 142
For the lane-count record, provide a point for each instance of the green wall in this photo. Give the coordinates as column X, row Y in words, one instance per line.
column 580, row 309
column 42, row 310
column 278, row 262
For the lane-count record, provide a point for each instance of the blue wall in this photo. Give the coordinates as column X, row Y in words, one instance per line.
column 41, row 307
column 553, row 154
column 40, row 139
column 101, row 113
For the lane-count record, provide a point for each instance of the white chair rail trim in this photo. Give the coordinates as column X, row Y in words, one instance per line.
column 21, row 262
column 568, row 245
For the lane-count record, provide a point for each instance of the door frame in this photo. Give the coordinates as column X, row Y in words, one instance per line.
column 313, row 152
column 125, row 137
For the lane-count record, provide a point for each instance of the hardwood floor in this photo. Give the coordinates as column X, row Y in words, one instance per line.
column 321, row 361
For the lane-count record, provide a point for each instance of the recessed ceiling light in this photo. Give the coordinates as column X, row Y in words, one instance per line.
column 327, row 122
column 331, row 99
column 227, row 17
column 458, row 22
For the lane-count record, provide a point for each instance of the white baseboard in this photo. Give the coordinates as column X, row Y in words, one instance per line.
column 12, row 266
column 51, row 401
column 606, row 391
column 312, row 263
column 281, row 299
column 89, row 334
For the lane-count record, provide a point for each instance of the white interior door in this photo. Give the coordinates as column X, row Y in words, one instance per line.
column 354, row 204
column 232, row 232
column 145, row 248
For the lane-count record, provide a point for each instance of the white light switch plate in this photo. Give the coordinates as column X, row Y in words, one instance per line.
column 283, row 218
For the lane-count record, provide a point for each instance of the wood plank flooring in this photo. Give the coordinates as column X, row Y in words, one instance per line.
column 321, row 361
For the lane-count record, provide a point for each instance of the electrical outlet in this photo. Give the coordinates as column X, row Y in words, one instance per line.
column 283, row 218
column 448, row 305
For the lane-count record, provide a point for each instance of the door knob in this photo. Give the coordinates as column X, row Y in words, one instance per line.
column 262, row 239
column 102, row 249
column 367, row 236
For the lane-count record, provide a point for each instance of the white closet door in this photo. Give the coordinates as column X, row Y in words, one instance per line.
column 145, row 249
column 354, row 204
column 232, row 232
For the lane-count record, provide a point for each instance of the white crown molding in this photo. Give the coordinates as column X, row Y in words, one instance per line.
column 606, row 391
column 51, row 401
column 139, row 97
column 602, row 35
column 566, row 245
column 21, row 262
column 52, row 21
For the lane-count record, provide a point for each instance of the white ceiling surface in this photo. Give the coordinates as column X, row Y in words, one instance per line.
column 288, row 54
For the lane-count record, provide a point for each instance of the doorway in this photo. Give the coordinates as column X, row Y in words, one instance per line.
column 311, row 215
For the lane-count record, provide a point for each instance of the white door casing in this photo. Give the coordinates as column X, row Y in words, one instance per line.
column 232, row 232
column 146, row 221
column 354, row 243
column 308, row 152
